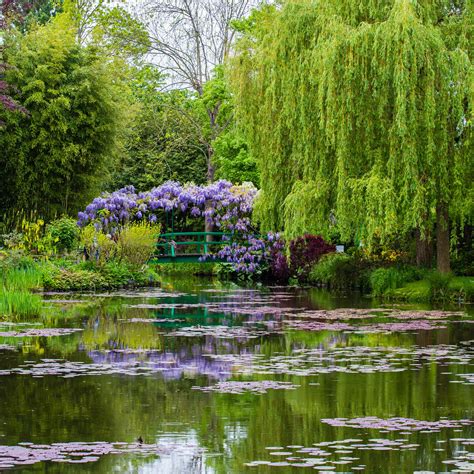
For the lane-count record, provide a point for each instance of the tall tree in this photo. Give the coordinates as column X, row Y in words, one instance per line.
column 361, row 114
column 165, row 141
column 189, row 39
column 57, row 157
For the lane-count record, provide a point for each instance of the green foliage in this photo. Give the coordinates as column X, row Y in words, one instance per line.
column 331, row 270
column 16, row 301
column 384, row 279
column 98, row 247
column 358, row 114
column 166, row 137
column 56, row 158
column 136, row 243
column 204, row 269
column 439, row 286
column 69, row 279
column 120, row 34
column 18, row 279
column 16, row 304
column 233, row 160
column 89, row 276
column 64, row 233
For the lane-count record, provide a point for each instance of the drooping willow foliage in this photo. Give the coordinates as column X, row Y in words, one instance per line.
column 359, row 113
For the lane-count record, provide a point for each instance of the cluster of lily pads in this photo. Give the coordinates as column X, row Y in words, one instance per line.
column 26, row 453
column 44, row 332
column 328, row 456
column 239, row 387
column 352, row 359
column 397, row 424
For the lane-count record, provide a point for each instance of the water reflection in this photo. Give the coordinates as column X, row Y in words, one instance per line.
column 129, row 374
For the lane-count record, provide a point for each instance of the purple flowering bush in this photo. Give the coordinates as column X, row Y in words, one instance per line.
column 252, row 255
column 226, row 207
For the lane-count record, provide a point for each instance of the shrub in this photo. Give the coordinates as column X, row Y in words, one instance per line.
column 66, row 279
column 64, row 233
column 280, row 269
column 98, row 247
column 90, row 276
column 136, row 243
column 383, row 279
column 304, row 252
column 336, row 270
column 439, row 286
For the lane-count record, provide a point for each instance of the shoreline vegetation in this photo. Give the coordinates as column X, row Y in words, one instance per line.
column 22, row 284
column 64, row 257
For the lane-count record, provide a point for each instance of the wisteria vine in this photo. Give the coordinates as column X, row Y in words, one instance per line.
column 223, row 205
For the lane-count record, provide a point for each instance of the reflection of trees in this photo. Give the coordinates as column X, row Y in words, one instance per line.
column 110, row 333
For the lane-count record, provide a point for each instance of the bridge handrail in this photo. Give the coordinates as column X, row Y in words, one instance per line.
column 175, row 234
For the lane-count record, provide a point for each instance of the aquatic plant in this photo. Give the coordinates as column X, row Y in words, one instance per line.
column 19, row 304
column 239, row 387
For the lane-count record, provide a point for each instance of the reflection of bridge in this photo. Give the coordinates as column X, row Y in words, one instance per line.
column 186, row 247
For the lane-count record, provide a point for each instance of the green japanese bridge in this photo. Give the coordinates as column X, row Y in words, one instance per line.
column 188, row 247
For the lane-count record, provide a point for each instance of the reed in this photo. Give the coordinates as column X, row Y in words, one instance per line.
column 19, row 304
column 16, row 300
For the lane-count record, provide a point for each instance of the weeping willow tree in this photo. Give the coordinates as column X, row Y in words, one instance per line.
column 360, row 115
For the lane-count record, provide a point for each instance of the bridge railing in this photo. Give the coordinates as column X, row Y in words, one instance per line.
column 169, row 244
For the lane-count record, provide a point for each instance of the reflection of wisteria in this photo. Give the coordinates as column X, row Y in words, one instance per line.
column 80, row 453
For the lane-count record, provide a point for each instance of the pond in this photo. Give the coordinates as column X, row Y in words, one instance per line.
column 199, row 376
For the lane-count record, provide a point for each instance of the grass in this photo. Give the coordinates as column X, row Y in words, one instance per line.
column 458, row 289
column 16, row 299
column 22, row 279
column 19, row 304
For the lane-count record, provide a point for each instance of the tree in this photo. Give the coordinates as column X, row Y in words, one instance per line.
column 190, row 39
column 360, row 114
column 164, row 143
column 18, row 14
column 57, row 158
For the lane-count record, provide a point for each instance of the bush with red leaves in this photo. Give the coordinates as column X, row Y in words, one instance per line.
column 305, row 251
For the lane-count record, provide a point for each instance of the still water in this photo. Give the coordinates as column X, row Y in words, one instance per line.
column 203, row 377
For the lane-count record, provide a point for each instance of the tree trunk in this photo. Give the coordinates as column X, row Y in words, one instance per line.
column 209, row 226
column 424, row 249
column 442, row 238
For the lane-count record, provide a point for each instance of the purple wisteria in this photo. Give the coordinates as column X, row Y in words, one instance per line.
column 221, row 204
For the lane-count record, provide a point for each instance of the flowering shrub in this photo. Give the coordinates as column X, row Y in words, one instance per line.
column 304, row 252
column 250, row 253
column 221, row 204
column 136, row 243
column 225, row 206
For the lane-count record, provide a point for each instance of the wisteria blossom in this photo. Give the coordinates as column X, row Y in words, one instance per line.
column 226, row 206
column 221, row 203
